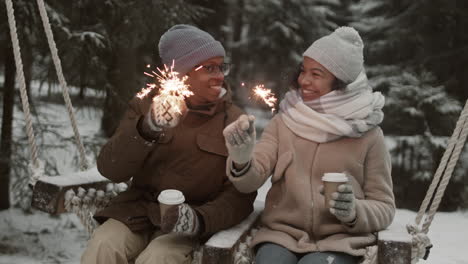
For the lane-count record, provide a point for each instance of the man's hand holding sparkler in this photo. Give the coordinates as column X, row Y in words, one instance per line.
column 152, row 126
column 168, row 107
column 163, row 114
column 240, row 140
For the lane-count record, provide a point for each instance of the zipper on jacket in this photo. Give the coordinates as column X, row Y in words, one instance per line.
column 311, row 221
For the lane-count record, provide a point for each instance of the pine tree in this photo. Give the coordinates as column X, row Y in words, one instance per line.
column 265, row 39
column 435, row 41
column 105, row 45
column 416, row 64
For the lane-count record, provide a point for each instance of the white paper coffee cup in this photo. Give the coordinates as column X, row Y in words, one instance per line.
column 331, row 181
column 169, row 198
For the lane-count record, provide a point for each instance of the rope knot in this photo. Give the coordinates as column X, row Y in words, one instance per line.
column 421, row 244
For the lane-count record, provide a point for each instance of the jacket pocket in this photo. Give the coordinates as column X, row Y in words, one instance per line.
column 214, row 145
column 137, row 218
column 132, row 213
column 281, row 165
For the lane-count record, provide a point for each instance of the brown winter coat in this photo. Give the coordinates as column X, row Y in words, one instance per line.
column 190, row 158
column 295, row 215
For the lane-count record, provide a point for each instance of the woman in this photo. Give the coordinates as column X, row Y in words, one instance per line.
column 328, row 123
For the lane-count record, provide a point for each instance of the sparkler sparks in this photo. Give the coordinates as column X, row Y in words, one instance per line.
column 266, row 95
column 170, row 83
column 168, row 105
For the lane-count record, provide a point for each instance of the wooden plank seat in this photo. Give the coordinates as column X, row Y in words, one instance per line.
column 89, row 191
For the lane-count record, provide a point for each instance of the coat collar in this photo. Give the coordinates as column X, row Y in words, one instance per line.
column 215, row 107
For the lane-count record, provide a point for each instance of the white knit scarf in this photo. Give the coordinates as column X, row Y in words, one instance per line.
column 349, row 113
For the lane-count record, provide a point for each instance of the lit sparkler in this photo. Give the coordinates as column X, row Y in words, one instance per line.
column 266, row 95
column 170, row 83
column 172, row 90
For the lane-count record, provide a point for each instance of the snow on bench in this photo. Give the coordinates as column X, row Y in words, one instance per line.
column 231, row 245
column 49, row 191
column 394, row 246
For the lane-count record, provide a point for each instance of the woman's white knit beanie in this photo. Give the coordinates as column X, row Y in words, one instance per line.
column 188, row 46
column 341, row 53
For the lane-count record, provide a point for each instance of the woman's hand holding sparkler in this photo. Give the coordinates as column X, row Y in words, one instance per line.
column 240, row 135
column 240, row 139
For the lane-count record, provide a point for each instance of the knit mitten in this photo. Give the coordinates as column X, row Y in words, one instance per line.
column 165, row 113
column 181, row 219
column 240, row 138
column 343, row 204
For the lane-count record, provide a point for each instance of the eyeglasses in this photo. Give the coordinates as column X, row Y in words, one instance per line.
column 213, row 69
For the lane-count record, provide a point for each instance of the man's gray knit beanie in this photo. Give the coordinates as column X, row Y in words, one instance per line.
column 341, row 53
column 187, row 46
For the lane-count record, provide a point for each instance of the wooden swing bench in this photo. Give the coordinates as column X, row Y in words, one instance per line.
column 76, row 193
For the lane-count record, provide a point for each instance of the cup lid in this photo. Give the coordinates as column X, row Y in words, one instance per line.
column 334, row 177
column 171, row 197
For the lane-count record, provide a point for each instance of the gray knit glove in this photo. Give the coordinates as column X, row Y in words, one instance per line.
column 343, row 204
column 240, row 138
column 181, row 219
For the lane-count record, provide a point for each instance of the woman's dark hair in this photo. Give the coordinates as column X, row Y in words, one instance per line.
column 337, row 83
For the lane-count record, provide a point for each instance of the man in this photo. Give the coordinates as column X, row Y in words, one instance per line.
column 185, row 152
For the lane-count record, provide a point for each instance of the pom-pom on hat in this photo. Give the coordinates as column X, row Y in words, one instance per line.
column 187, row 46
column 341, row 53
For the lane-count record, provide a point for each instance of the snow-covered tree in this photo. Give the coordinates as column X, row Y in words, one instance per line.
column 265, row 39
column 419, row 119
column 105, row 45
column 424, row 35
column 415, row 52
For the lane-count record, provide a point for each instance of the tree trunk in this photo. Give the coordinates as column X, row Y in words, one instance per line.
column 27, row 55
column 83, row 60
column 235, row 21
column 83, row 77
column 7, row 127
column 123, row 85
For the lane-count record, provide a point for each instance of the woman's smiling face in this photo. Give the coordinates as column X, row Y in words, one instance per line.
column 314, row 80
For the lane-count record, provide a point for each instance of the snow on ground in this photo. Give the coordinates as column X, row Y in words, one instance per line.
column 39, row 238
column 53, row 129
column 448, row 234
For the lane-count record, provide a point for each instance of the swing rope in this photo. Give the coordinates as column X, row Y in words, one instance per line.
column 85, row 202
column 36, row 165
column 421, row 242
column 63, row 83
column 451, row 156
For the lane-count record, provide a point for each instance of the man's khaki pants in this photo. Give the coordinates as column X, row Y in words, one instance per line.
column 113, row 242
